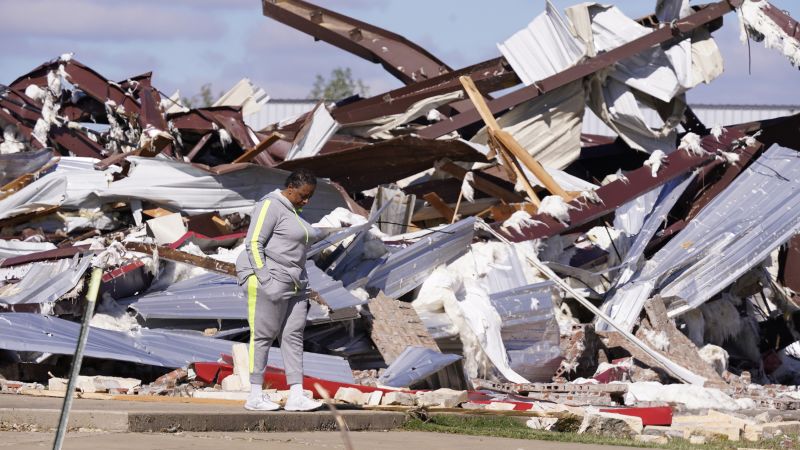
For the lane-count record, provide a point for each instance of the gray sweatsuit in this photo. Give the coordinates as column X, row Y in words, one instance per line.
column 272, row 272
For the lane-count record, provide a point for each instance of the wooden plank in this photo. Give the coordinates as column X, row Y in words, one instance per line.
column 251, row 153
column 439, row 205
column 183, row 257
column 479, row 102
column 493, row 128
column 156, row 212
column 199, row 146
column 508, row 142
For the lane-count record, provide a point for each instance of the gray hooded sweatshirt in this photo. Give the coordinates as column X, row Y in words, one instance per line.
column 276, row 244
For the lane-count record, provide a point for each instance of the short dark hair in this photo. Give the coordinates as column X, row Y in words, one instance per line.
column 299, row 178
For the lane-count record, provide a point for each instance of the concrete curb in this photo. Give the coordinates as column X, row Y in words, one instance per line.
column 48, row 418
column 203, row 421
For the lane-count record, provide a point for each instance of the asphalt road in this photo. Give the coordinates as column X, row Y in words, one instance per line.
column 391, row 440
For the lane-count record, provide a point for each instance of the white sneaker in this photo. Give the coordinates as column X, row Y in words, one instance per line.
column 261, row 404
column 301, row 403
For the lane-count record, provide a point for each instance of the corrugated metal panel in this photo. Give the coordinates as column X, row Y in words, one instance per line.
column 408, row 268
column 710, row 115
column 47, row 282
column 213, row 296
column 277, row 110
column 24, row 332
column 530, row 332
column 757, row 213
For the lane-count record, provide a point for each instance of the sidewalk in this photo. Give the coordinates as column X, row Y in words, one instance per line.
column 170, row 414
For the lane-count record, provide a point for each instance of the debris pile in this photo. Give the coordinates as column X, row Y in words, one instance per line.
column 481, row 252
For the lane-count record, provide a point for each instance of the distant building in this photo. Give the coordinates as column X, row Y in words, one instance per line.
column 281, row 109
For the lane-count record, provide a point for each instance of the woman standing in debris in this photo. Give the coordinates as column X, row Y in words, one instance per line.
column 272, row 272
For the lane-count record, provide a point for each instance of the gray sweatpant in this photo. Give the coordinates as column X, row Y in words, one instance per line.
column 275, row 311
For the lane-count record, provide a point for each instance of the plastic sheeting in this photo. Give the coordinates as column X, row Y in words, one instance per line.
column 24, row 332
column 530, row 331
column 414, row 365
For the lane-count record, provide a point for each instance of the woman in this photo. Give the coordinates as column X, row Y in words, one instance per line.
column 273, row 275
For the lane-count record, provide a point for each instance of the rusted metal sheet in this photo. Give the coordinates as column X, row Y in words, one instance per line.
column 59, row 253
column 619, row 192
column 789, row 274
column 203, row 120
column 385, row 162
column 152, row 117
column 677, row 31
column 89, row 81
column 492, row 75
column 402, row 58
column 782, row 20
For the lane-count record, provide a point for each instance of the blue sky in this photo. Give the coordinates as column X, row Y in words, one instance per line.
column 187, row 43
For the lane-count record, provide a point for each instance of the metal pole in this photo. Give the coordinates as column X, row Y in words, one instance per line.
column 91, row 297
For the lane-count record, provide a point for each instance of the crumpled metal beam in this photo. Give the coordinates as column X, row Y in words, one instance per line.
column 676, row 31
column 636, row 183
column 402, row 58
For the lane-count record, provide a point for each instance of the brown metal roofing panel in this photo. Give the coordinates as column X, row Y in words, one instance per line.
column 385, row 162
column 619, row 192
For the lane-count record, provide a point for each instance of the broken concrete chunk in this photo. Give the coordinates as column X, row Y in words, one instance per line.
column 697, row 440
column 114, row 385
column 542, row 423
column 668, row 432
column 650, row 439
column 444, row 398
column 398, row 398
column 374, row 398
column 610, row 424
column 351, row 395
column 233, row 383
column 500, row 406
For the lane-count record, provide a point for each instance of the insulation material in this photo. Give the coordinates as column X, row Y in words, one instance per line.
column 555, row 207
column 548, row 127
column 655, row 161
column 755, row 24
column 467, row 191
column 544, row 48
column 485, row 322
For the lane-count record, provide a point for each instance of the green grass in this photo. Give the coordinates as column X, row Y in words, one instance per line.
column 509, row 427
